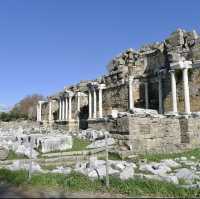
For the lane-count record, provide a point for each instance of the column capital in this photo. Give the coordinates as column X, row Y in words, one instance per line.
column 101, row 86
column 172, row 71
column 130, row 79
column 181, row 64
column 41, row 102
column 145, row 81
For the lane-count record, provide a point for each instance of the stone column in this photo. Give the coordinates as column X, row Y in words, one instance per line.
column 78, row 101
column 60, row 109
column 39, row 111
column 90, row 103
column 100, row 103
column 173, row 88
column 63, row 109
column 94, row 103
column 160, row 94
column 50, row 111
column 146, row 94
column 131, row 100
column 70, row 107
column 66, row 109
column 186, row 91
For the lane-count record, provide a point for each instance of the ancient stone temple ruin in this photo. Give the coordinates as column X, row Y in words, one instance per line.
column 148, row 100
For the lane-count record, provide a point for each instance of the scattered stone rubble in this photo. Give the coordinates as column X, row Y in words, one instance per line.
column 21, row 137
column 90, row 134
column 168, row 170
column 176, row 171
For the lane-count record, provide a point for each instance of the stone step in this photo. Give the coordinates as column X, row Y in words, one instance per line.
column 73, row 153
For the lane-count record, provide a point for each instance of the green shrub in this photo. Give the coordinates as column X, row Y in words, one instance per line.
column 12, row 116
column 16, row 177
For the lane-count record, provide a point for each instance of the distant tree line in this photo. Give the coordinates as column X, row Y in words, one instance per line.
column 26, row 109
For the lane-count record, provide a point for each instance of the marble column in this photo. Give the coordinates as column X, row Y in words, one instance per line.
column 50, row 111
column 94, row 103
column 100, row 103
column 173, row 88
column 66, row 109
column 90, row 103
column 63, row 109
column 186, row 91
column 70, row 107
column 131, row 100
column 39, row 111
column 146, row 88
column 78, row 101
column 60, row 109
column 160, row 94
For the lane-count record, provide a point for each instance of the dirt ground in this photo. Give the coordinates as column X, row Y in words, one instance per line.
column 7, row 191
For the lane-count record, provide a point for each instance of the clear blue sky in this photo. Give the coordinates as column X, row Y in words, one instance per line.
column 46, row 44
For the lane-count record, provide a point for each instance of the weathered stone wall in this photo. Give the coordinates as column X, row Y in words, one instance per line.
column 193, row 132
column 153, row 135
column 115, row 98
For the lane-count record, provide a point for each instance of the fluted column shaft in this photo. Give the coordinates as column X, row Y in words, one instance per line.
column 160, row 94
column 186, row 91
column 146, row 95
column 60, row 110
column 131, row 100
column 70, row 107
column 50, row 111
column 100, row 104
column 66, row 108
column 90, row 103
column 173, row 88
column 94, row 104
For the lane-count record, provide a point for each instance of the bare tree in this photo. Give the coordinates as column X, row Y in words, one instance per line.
column 27, row 106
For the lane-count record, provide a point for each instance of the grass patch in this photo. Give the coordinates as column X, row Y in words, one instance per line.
column 151, row 188
column 79, row 144
column 48, row 167
column 111, row 156
column 78, row 182
column 12, row 156
column 158, row 157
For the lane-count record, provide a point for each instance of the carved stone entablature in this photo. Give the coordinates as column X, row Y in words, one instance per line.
column 181, row 65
